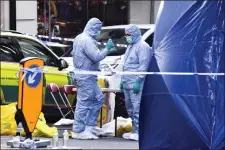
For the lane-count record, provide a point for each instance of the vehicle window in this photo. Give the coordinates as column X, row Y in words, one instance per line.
column 31, row 48
column 59, row 51
column 117, row 35
column 8, row 50
column 149, row 40
column 68, row 53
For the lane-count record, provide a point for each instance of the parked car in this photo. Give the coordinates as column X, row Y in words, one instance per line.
column 58, row 48
column 15, row 46
column 114, row 60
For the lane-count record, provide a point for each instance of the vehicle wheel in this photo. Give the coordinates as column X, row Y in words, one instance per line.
column 120, row 109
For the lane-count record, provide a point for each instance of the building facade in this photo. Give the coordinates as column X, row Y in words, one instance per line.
column 68, row 18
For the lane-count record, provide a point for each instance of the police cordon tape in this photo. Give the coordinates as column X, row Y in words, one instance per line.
column 41, row 70
column 67, row 39
column 47, row 37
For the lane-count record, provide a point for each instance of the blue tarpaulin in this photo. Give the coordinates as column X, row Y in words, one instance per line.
column 185, row 111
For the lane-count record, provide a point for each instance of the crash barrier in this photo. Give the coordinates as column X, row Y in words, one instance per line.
column 30, row 98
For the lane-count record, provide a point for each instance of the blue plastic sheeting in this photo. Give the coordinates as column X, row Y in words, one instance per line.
column 185, row 111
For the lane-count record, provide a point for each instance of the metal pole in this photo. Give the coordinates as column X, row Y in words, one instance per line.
column 87, row 9
column 101, row 120
column 104, row 10
column 152, row 3
column 49, row 20
column 101, row 117
column 45, row 13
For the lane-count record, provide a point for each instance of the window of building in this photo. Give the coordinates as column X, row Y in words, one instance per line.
column 68, row 18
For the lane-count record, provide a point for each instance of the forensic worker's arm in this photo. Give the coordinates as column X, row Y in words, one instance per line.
column 93, row 52
column 145, row 55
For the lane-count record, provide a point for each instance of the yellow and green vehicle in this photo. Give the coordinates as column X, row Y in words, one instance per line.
column 14, row 47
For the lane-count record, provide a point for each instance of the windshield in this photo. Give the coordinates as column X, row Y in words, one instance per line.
column 117, row 35
column 68, row 53
column 59, row 51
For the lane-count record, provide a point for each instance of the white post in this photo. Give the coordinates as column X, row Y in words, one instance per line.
column 4, row 15
column 26, row 16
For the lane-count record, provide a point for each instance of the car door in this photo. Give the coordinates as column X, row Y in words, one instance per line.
column 9, row 57
column 33, row 48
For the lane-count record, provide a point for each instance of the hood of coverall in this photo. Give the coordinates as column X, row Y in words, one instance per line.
column 135, row 33
column 93, row 27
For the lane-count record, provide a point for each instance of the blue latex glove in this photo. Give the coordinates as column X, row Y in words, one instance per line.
column 137, row 86
column 109, row 45
column 121, row 85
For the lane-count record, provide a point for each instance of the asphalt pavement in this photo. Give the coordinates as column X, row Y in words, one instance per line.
column 101, row 143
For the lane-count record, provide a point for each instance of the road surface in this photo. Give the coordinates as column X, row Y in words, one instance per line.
column 102, row 143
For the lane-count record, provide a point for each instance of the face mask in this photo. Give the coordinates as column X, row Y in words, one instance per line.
column 129, row 39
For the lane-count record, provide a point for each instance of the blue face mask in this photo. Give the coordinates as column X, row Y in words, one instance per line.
column 129, row 39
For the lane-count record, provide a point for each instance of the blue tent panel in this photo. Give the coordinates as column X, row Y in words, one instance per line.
column 185, row 112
